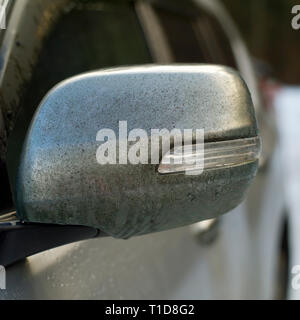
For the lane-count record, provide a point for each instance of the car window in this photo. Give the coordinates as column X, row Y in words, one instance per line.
column 92, row 36
column 216, row 39
column 181, row 36
column 196, row 37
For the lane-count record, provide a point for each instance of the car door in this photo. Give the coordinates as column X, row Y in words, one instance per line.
column 237, row 261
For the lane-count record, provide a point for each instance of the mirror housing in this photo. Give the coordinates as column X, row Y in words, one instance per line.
column 60, row 180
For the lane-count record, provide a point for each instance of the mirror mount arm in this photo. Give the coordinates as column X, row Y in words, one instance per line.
column 21, row 240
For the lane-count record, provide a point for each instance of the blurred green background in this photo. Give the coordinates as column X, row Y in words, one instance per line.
column 266, row 28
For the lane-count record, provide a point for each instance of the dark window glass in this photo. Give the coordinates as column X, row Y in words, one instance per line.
column 216, row 40
column 91, row 36
column 196, row 37
column 181, row 36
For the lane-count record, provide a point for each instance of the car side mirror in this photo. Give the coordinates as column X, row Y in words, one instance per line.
column 62, row 178
column 130, row 151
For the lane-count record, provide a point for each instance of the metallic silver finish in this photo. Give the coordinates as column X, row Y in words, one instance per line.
column 61, row 182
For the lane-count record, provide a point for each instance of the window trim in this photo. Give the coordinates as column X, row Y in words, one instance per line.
column 155, row 36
